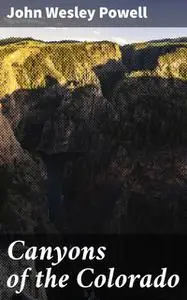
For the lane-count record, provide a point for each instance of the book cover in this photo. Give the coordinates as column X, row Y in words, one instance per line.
column 93, row 137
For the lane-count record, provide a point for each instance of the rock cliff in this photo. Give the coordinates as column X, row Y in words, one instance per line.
column 25, row 64
column 23, row 201
column 163, row 59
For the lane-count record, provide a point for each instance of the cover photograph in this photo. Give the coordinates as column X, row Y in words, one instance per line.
column 93, row 150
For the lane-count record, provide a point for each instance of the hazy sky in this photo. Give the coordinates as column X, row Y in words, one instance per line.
column 120, row 35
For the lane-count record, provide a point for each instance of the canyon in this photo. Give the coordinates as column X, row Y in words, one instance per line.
column 123, row 108
column 107, row 124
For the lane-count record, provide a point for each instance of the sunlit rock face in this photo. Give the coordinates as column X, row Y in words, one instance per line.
column 26, row 64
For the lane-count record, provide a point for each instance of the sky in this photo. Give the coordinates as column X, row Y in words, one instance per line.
column 119, row 35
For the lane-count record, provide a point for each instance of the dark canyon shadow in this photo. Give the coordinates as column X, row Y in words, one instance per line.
column 121, row 164
column 67, row 130
column 146, row 58
column 109, row 74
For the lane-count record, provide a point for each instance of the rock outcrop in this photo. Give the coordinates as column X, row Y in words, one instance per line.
column 164, row 59
column 23, row 201
column 80, row 123
column 152, row 154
